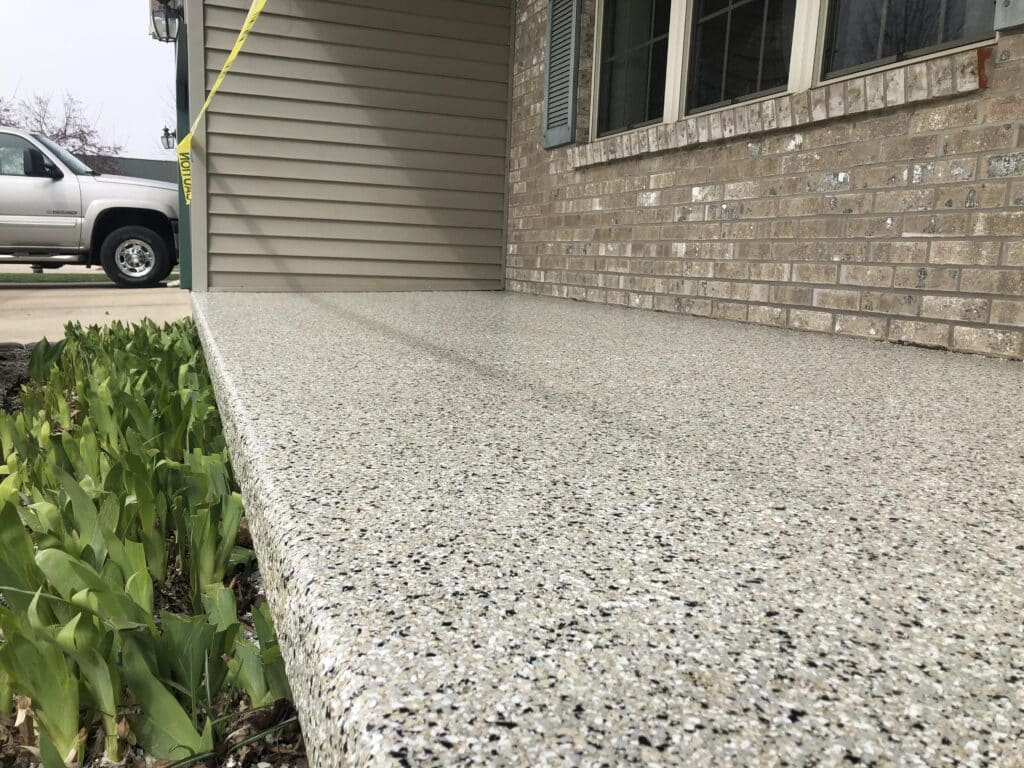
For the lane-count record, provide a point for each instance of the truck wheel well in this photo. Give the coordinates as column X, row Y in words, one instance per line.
column 115, row 218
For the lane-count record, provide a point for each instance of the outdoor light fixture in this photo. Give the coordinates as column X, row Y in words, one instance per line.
column 166, row 17
column 169, row 139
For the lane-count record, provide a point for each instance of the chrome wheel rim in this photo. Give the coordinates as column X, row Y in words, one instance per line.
column 135, row 258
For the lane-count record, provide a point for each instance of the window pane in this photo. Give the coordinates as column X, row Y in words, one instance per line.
column 656, row 89
column 911, row 26
column 856, row 29
column 704, row 7
column 740, row 51
column 741, row 69
column 968, row 19
column 12, row 155
column 709, row 44
column 634, row 57
column 778, row 44
column 863, row 33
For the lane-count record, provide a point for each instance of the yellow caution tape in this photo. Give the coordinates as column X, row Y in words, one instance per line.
column 185, row 145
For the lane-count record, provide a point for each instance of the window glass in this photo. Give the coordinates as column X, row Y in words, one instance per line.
column 740, row 49
column 867, row 33
column 13, row 151
column 77, row 166
column 634, row 57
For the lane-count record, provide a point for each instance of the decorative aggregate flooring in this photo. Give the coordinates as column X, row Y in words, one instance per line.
column 507, row 530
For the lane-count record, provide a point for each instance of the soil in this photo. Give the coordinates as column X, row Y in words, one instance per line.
column 13, row 373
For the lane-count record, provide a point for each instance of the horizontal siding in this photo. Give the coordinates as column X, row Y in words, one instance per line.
column 358, row 145
column 312, row 283
column 326, row 248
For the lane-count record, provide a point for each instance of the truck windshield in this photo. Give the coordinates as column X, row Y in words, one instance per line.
column 77, row 166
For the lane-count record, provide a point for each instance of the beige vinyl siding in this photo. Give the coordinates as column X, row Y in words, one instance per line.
column 358, row 145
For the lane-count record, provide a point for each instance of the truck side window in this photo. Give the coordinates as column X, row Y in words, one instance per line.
column 14, row 154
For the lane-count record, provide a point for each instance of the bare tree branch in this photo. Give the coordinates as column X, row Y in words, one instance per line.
column 67, row 125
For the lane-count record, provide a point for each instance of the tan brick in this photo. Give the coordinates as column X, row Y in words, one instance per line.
column 1014, row 256
column 818, row 229
column 900, row 251
column 810, row 272
column 874, row 226
column 885, row 303
column 861, row 326
column 871, row 276
column 790, row 294
column 920, row 334
column 908, row 148
column 771, row 271
column 734, row 270
column 988, row 341
column 1005, row 223
column 808, row 320
column 937, row 171
column 1004, row 108
column 927, row 278
column 1007, row 312
column 934, row 225
column 764, row 315
column 881, row 176
column 943, row 117
column 982, row 252
column 849, row 203
column 698, row 268
column 914, row 199
column 984, row 139
column 1011, row 164
column 727, row 310
column 955, row 308
column 803, row 205
column 836, row 299
column 1005, row 282
column 984, row 195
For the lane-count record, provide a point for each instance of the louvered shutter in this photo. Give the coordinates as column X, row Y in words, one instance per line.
column 560, row 74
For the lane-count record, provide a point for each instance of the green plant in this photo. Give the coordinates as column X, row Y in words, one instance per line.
column 117, row 490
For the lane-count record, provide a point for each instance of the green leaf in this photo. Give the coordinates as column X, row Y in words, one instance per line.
column 39, row 669
column 247, row 673
column 86, row 517
column 163, row 728
column 219, row 604
column 18, row 567
column 43, row 357
column 184, row 648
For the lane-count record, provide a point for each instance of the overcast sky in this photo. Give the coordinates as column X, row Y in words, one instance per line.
column 99, row 51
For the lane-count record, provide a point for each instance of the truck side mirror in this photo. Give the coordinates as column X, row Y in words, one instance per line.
column 37, row 164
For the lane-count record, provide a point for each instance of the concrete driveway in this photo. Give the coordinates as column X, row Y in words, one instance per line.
column 28, row 313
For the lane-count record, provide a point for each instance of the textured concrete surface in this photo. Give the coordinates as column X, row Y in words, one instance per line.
column 504, row 530
column 28, row 314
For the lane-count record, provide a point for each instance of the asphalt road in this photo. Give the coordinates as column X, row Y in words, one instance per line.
column 28, row 313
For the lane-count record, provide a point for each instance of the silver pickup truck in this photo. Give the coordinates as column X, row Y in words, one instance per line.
column 55, row 210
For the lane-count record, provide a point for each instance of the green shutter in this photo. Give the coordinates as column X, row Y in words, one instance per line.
column 559, row 125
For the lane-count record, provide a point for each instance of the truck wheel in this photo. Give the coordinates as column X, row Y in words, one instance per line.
column 135, row 257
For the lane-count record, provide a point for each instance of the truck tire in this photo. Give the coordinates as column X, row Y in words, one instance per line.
column 135, row 257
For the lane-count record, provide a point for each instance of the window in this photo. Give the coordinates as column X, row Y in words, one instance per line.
column 663, row 59
column 634, row 57
column 14, row 155
column 739, row 49
column 867, row 33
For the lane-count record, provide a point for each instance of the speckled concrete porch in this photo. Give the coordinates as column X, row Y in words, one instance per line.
column 505, row 530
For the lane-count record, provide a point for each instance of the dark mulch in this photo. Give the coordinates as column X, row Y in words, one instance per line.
column 13, row 373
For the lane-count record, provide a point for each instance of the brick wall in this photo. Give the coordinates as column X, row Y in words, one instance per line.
column 889, row 207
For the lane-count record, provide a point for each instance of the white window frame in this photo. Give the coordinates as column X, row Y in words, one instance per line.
column 805, row 66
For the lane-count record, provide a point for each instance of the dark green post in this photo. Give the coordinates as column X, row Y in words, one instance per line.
column 184, row 214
